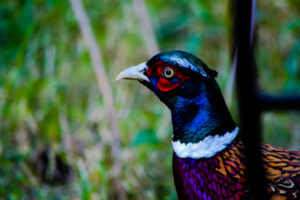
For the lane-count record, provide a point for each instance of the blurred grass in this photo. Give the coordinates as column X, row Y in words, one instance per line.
column 49, row 97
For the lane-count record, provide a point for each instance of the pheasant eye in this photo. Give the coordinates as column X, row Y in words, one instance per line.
column 168, row 72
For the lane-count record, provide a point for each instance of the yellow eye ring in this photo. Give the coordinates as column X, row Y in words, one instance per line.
column 168, row 72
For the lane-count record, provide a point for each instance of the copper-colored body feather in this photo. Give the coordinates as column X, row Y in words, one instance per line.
column 282, row 169
column 223, row 175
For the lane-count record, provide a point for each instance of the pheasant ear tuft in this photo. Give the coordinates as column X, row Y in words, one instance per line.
column 212, row 73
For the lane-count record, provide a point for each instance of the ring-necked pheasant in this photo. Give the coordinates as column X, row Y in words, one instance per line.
column 208, row 162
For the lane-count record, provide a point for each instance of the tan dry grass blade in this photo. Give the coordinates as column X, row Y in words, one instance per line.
column 147, row 31
column 104, row 86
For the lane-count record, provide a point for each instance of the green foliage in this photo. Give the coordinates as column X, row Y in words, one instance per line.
column 49, row 96
column 144, row 137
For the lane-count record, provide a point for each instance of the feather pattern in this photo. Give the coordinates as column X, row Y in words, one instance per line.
column 223, row 175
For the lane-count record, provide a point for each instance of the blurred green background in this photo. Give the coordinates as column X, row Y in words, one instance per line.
column 55, row 138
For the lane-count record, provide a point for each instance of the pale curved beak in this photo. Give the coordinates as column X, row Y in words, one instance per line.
column 135, row 73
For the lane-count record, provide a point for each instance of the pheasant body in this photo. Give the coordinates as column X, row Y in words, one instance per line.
column 217, row 177
column 208, row 160
column 223, row 175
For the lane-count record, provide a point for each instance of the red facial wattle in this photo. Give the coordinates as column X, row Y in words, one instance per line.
column 165, row 84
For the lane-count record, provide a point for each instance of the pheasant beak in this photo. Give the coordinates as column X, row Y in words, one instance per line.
column 135, row 73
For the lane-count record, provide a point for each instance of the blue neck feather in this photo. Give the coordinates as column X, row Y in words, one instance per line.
column 196, row 115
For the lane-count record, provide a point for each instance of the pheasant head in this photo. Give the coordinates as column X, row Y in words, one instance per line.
column 186, row 85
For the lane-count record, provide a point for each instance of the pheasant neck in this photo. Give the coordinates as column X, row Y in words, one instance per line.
column 199, row 115
column 203, row 119
column 205, row 148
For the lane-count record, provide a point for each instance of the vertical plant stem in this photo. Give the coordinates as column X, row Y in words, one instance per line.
column 146, row 27
column 231, row 81
column 104, row 86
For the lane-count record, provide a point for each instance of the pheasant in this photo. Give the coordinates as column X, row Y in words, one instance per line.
column 208, row 160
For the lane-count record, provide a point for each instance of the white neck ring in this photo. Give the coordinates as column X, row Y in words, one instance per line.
column 205, row 148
